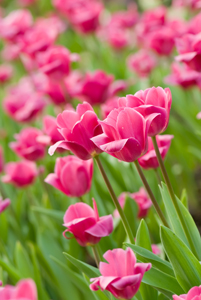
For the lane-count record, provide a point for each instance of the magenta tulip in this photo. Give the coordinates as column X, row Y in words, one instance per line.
column 86, row 225
column 151, row 101
column 27, row 145
column 124, row 134
column 142, row 63
column 122, row 275
column 108, row 106
column 50, row 128
column 21, row 173
column 149, row 160
column 6, row 72
column 24, row 290
column 193, row 294
column 4, row 204
column 72, row 176
column 77, row 129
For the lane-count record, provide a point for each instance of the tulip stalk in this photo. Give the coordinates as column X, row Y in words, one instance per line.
column 115, row 200
column 158, row 176
column 173, row 197
column 151, row 195
column 96, row 255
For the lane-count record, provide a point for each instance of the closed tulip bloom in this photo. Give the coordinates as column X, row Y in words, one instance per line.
column 1, row 159
column 122, row 275
column 72, row 176
column 77, row 129
column 124, row 134
column 151, row 101
column 6, row 72
column 21, row 173
column 86, row 225
column 55, row 62
column 142, row 63
column 149, row 160
column 4, row 204
column 193, row 294
column 25, row 289
column 27, row 144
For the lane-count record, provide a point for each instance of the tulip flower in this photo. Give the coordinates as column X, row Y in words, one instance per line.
column 4, row 204
column 149, row 160
column 27, row 144
column 72, row 176
column 86, row 225
column 155, row 249
column 122, row 275
column 193, row 294
column 151, row 101
column 124, row 134
column 20, row 174
column 50, row 128
column 108, row 106
column 1, row 160
column 77, row 129
column 25, row 289
column 142, row 63
column 6, row 72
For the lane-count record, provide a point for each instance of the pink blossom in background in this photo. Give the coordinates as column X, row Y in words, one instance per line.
column 24, row 290
column 50, row 128
column 122, row 275
column 155, row 249
column 124, row 134
column 184, row 76
column 194, row 24
column 193, row 4
column 154, row 104
column 86, row 225
column 72, row 176
column 27, row 145
column 6, row 72
column 142, row 62
column 11, row 51
column 108, row 106
column 21, row 173
column 77, row 129
column 1, row 160
column 3, row 205
column 149, row 159
column 125, row 19
column 26, row 2
column 193, row 294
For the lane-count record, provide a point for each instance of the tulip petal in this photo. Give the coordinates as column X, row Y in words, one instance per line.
column 78, row 210
column 83, row 108
column 186, row 57
column 26, row 289
column 125, row 281
column 102, row 228
column 60, row 144
column 53, row 180
column 195, row 291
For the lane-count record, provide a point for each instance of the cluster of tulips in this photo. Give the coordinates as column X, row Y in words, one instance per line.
column 86, row 124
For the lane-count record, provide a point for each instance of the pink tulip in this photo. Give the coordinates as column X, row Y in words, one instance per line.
column 1, row 160
column 21, row 173
column 24, row 290
column 142, row 63
column 77, row 129
column 125, row 19
column 82, row 14
column 55, row 62
column 6, row 72
column 155, row 249
column 15, row 24
column 122, row 275
column 26, row 2
column 27, row 145
column 151, row 101
column 4, row 204
column 194, row 24
column 108, row 106
column 189, row 49
column 86, row 225
column 124, row 134
column 149, row 160
column 72, row 176
column 193, row 294
column 50, row 128
column 184, row 76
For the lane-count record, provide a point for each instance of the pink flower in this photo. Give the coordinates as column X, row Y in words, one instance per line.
column 15, row 24
column 27, row 144
column 1, row 160
column 72, row 176
column 122, row 275
column 155, row 101
column 86, row 225
column 50, row 128
column 77, row 129
column 55, row 62
column 23, row 103
column 26, row 2
column 6, row 72
column 184, row 76
column 108, row 106
column 25, row 289
column 124, row 134
column 193, row 294
column 125, row 19
column 4, row 204
column 149, row 159
column 189, row 49
column 82, row 14
column 155, row 249
column 21, row 173
column 142, row 63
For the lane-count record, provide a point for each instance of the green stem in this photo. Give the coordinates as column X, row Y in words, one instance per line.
column 173, row 197
column 96, row 255
column 81, row 199
column 116, row 202
column 151, row 195
column 158, row 176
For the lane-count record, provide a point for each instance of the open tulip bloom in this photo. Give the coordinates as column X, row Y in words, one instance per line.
column 24, row 290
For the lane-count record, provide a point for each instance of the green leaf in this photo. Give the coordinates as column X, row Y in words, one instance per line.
column 23, row 261
column 12, row 272
column 57, row 215
column 184, row 198
column 148, row 256
column 186, row 267
column 99, row 294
